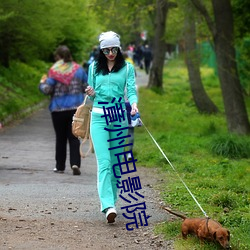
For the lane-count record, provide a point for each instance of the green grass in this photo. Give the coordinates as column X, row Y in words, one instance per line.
column 19, row 88
column 214, row 164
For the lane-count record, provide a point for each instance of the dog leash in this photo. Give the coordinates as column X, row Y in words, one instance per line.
column 174, row 169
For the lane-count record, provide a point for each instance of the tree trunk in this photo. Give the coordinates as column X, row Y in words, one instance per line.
column 159, row 47
column 201, row 99
column 223, row 38
column 235, row 109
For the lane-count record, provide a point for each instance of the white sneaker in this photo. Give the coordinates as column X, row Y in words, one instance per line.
column 111, row 214
column 76, row 170
column 58, row 171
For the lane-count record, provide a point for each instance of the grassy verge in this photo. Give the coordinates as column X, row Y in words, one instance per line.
column 19, row 88
column 213, row 164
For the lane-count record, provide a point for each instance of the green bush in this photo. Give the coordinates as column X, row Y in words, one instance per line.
column 223, row 200
column 231, row 146
column 19, row 87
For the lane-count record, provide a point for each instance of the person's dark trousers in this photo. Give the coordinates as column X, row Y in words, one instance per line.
column 62, row 122
column 147, row 65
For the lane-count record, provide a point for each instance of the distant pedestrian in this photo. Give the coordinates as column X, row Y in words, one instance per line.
column 65, row 84
column 138, row 56
column 147, row 55
column 93, row 55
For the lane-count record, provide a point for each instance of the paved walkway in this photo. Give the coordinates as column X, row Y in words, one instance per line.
column 141, row 78
column 29, row 189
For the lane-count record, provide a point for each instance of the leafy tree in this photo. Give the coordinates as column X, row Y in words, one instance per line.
column 28, row 33
column 156, row 72
column 175, row 24
column 221, row 28
column 78, row 29
column 242, row 33
column 241, row 18
column 23, row 33
column 126, row 17
column 201, row 99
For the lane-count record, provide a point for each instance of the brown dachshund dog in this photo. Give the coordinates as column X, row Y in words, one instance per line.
column 204, row 229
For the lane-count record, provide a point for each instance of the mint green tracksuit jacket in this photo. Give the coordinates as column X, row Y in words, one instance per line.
column 107, row 87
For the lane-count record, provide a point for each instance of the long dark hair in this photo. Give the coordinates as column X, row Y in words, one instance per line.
column 102, row 67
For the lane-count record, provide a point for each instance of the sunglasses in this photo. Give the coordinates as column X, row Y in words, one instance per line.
column 106, row 51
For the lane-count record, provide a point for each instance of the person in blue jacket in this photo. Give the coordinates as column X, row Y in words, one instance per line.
column 108, row 77
column 65, row 83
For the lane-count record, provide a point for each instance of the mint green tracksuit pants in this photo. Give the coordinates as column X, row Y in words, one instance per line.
column 106, row 181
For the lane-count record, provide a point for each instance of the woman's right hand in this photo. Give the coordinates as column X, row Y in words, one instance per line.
column 90, row 91
column 134, row 109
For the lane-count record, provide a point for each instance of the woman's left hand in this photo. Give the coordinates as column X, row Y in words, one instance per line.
column 134, row 109
column 90, row 91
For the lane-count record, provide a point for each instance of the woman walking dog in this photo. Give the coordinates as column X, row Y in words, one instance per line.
column 108, row 78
